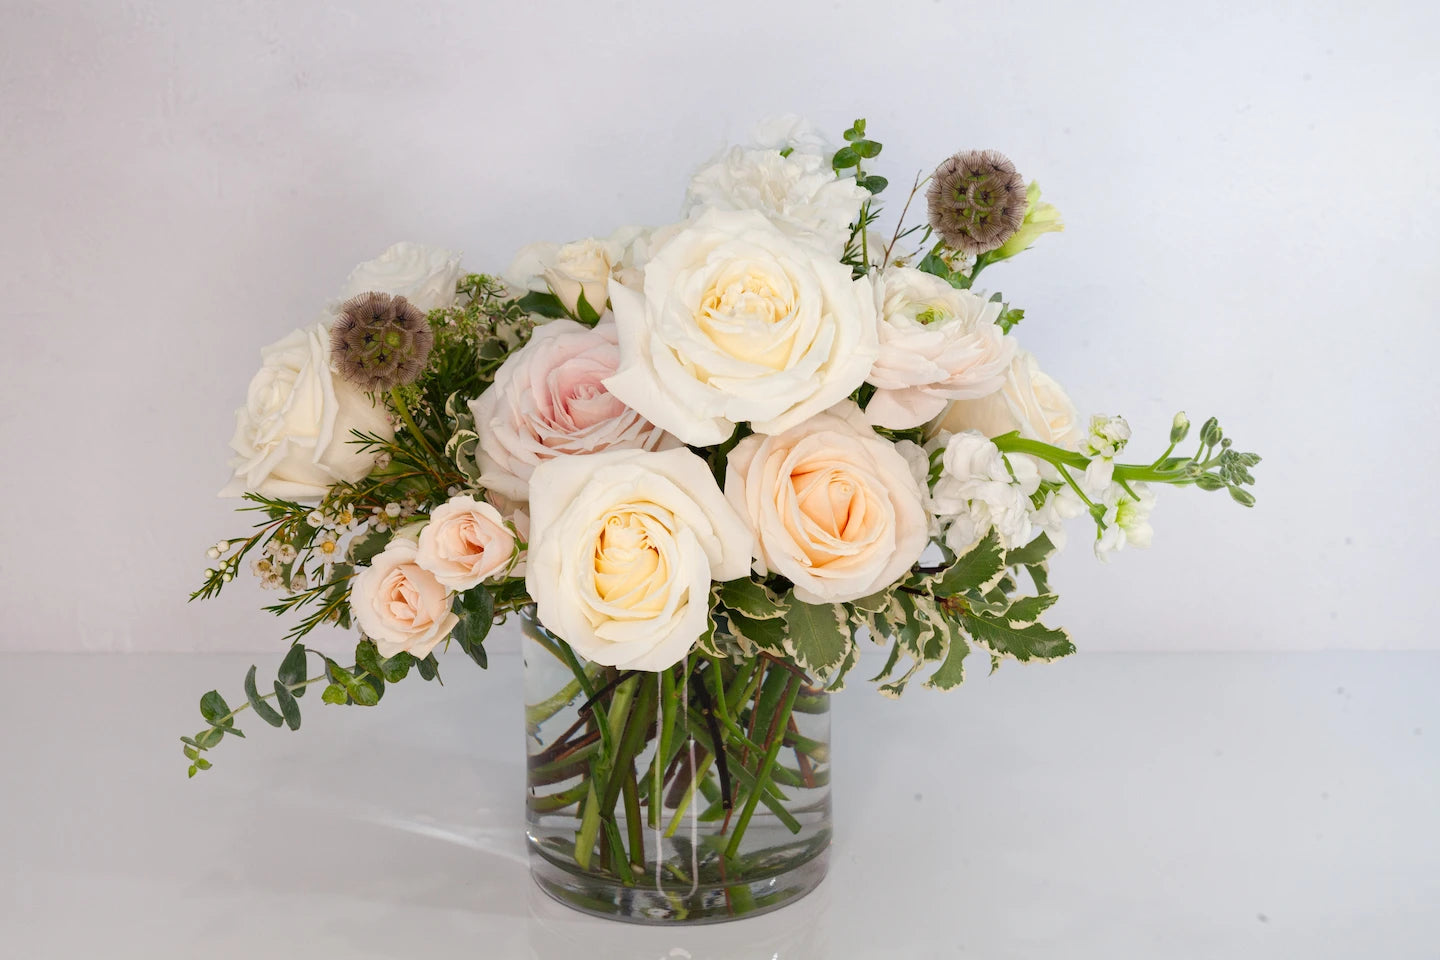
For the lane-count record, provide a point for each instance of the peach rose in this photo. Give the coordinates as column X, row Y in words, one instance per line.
column 465, row 542
column 399, row 604
column 834, row 506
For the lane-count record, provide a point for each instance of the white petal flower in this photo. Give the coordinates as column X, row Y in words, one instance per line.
column 1127, row 519
column 1106, row 437
column 800, row 194
column 1029, row 401
column 789, row 131
column 979, row 489
column 426, row 276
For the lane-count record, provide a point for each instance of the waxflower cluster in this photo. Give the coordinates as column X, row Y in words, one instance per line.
column 767, row 428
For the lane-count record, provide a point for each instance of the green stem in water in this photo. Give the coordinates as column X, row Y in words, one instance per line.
column 762, row 777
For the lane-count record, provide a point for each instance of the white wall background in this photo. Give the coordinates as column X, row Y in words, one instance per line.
column 1250, row 191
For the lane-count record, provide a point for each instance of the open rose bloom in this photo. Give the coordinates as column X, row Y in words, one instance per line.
column 703, row 462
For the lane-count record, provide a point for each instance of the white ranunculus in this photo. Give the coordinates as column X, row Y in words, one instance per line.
column 799, row 193
column 937, row 344
column 835, row 507
column 1029, row 401
column 426, row 276
column 399, row 604
column 292, row 436
column 738, row 322
column 977, row 490
column 549, row 399
column 794, row 132
column 626, row 544
column 464, row 542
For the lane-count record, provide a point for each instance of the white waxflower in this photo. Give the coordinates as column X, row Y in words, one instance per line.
column 1106, row 438
column 800, row 194
column 1127, row 520
column 980, row 489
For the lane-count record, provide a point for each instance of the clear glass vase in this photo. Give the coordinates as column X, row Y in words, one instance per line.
column 632, row 813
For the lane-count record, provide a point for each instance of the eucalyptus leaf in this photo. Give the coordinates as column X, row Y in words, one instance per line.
column 262, row 709
column 289, row 706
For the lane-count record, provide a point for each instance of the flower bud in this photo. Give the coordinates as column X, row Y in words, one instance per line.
column 1210, row 433
column 1208, row 481
column 1180, row 428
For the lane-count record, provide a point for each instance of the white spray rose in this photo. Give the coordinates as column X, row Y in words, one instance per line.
column 625, row 548
column 977, row 491
column 549, row 399
column 426, row 276
column 292, row 436
column 1029, row 401
column 399, row 604
column 571, row 269
column 465, row 541
column 835, row 508
column 738, row 322
column 800, row 194
column 937, row 344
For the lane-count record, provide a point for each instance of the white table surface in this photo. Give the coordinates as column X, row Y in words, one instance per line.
column 1109, row 806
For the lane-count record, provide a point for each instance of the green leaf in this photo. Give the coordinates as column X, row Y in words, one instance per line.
column 203, row 764
column 865, row 148
column 191, row 771
column 429, row 667
column 545, row 304
column 191, row 753
column 289, row 706
column 874, row 603
column 262, row 709
column 334, row 693
column 397, row 668
column 844, row 157
column 1030, row 642
column 584, row 312
column 206, row 739
column 819, row 634
column 873, row 183
column 951, row 672
column 367, row 657
column 980, row 569
column 476, row 610
column 292, row 668
column 1036, row 551
column 1029, row 609
column 355, row 688
column 768, row 635
column 215, row 710
column 368, row 546
column 754, row 600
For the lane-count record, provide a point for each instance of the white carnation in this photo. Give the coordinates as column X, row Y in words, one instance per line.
column 426, row 276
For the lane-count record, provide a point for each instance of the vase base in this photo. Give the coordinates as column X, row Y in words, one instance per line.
column 674, row 902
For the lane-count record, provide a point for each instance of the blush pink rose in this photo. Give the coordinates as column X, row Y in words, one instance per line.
column 399, row 604
column 549, row 400
column 465, row 542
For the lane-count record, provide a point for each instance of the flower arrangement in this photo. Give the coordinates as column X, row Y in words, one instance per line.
column 766, row 434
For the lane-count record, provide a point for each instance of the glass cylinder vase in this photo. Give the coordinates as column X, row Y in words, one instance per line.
column 697, row 794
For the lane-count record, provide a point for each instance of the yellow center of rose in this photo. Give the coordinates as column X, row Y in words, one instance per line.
column 835, row 514
column 629, row 570
column 744, row 314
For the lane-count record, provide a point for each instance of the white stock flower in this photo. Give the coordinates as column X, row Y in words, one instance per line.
column 1061, row 504
column 1106, row 437
column 292, row 437
column 937, row 344
column 1029, row 401
column 399, row 604
column 626, row 545
column 835, row 508
column 737, row 322
column 549, row 399
column 1127, row 519
column 800, row 194
column 426, row 276
column 464, row 542
column 980, row 489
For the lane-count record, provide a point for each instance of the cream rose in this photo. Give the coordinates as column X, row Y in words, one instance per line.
column 426, row 276
column 399, row 604
column 738, row 322
column 465, row 542
column 569, row 270
column 835, row 508
column 937, row 344
column 292, row 436
column 625, row 548
column 1029, row 401
column 549, row 399
column 800, row 193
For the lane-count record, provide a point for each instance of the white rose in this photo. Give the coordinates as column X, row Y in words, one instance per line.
column 794, row 132
column 626, row 546
column 571, row 269
column 426, row 276
column 937, row 344
column 835, row 508
column 399, row 604
column 549, row 399
column 1029, row 401
column 738, row 322
column 800, row 194
column 977, row 490
column 292, row 437
column 465, row 541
